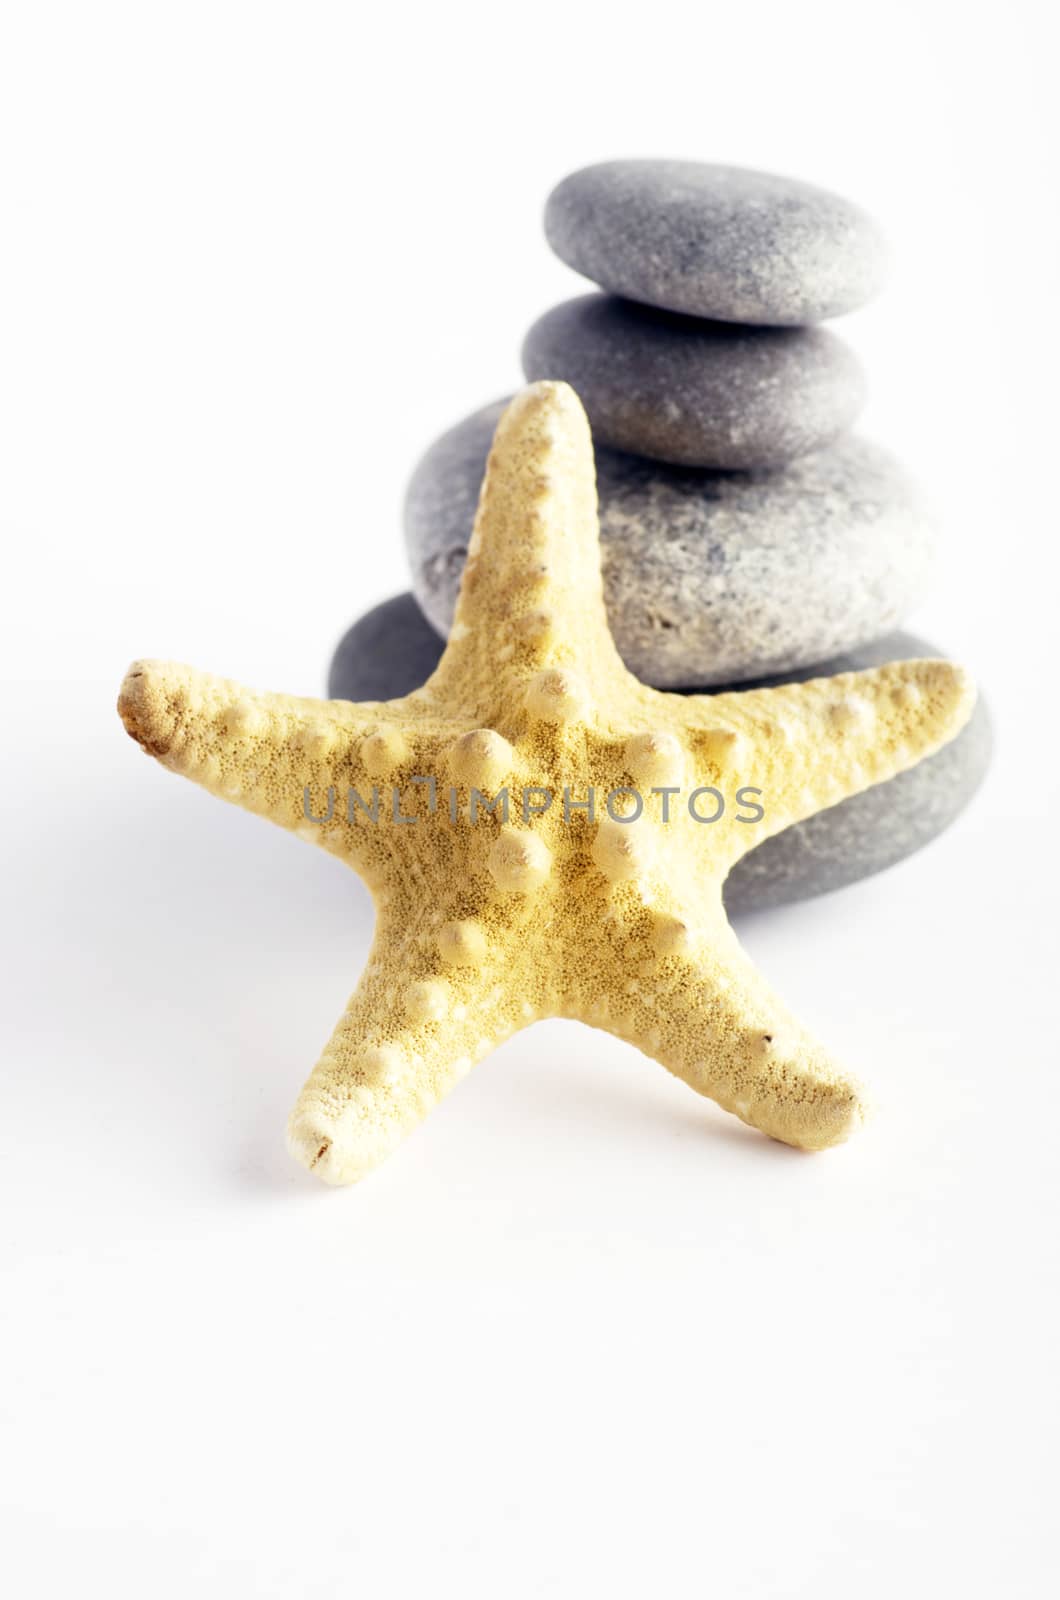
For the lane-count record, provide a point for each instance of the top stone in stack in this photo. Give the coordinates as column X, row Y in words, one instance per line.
column 715, row 241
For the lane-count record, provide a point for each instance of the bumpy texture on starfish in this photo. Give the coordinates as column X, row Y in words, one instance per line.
column 485, row 925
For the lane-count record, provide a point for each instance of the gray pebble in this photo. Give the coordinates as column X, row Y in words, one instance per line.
column 712, row 241
column 386, row 654
column 393, row 650
column 699, row 394
column 709, row 577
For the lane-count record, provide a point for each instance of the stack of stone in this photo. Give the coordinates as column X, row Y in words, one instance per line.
column 748, row 537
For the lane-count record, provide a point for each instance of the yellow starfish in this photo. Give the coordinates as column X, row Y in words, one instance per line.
column 486, row 924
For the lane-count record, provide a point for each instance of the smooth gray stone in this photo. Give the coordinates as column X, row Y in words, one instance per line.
column 386, row 654
column 724, row 242
column 695, row 393
column 393, row 649
column 710, row 577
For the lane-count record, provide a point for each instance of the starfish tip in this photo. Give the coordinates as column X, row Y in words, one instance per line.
column 313, row 1141
column 141, row 706
column 548, row 397
column 949, row 689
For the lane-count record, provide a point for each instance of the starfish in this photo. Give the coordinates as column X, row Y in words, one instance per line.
column 492, row 911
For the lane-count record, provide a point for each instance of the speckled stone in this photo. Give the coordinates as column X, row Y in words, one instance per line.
column 724, row 242
column 393, row 649
column 710, row 577
column 699, row 394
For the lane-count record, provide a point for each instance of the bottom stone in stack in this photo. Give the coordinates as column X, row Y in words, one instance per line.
column 393, row 649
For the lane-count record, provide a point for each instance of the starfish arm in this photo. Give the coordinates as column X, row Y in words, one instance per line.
column 532, row 596
column 806, row 746
column 294, row 760
column 413, row 1028
column 712, row 1020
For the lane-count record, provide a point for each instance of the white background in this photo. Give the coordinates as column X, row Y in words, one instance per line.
column 583, row 1334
